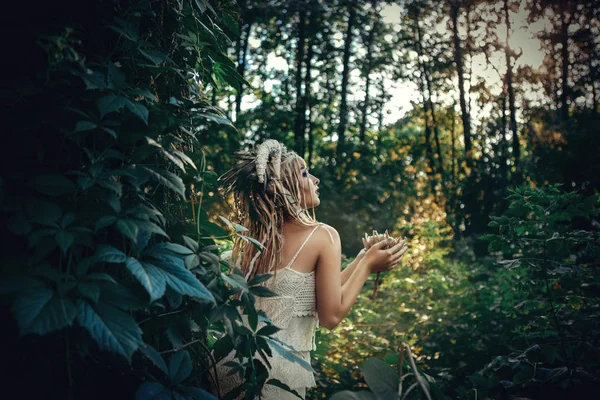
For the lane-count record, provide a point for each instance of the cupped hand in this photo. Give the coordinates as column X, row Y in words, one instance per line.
column 378, row 259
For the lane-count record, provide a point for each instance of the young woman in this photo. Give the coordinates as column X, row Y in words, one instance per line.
column 273, row 191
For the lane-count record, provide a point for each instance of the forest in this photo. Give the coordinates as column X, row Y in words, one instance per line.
column 468, row 126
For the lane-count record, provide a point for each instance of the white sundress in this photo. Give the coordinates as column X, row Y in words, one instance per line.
column 294, row 311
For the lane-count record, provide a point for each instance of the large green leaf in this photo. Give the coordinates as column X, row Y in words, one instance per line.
column 109, row 103
column 196, row 393
column 362, row 395
column 288, row 353
column 138, row 109
column 381, row 378
column 109, row 254
column 151, row 278
column 155, row 357
column 168, row 179
column 113, row 329
column 53, row 184
column 42, row 311
column 153, row 391
column 180, row 366
column 123, row 297
column 183, row 281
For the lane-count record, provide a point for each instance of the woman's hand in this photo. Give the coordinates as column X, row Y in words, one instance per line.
column 377, row 259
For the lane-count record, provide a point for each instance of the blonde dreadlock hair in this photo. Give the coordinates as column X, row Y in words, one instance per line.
column 266, row 184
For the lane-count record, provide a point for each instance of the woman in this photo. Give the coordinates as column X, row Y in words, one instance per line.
column 273, row 191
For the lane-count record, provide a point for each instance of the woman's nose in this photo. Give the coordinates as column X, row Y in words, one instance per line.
column 317, row 180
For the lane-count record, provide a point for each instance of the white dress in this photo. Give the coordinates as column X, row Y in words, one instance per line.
column 294, row 311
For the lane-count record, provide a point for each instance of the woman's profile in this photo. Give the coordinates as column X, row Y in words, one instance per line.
column 274, row 195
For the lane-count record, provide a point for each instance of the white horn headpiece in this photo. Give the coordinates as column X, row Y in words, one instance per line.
column 263, row 154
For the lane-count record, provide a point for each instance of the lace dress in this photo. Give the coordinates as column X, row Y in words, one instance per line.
column 294, row 311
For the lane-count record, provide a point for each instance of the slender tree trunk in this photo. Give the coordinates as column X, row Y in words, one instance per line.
column 453, row 150
column 380, row 113
column 502, row 151
column 516, row 147
column 593, row 84
column 458, row 60
column 307, row 93
column 341, row 131
column 300, row 123
column 365, row 104
column 428, row 148
column 428, row 103
column 241, row 67
column 564, row 52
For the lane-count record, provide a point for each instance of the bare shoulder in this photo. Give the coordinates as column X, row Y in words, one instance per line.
column 327, row 234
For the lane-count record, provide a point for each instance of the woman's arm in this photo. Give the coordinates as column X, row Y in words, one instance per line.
column 346, row 273
column 334, row 298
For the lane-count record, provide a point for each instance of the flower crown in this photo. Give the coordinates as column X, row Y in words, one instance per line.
column 266, row 150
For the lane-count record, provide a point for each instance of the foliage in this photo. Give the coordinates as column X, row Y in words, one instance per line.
column 109, row 251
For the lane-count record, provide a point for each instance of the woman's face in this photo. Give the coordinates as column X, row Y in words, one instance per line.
column 310, row 187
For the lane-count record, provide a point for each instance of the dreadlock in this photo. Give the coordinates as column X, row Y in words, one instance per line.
column 263, row 207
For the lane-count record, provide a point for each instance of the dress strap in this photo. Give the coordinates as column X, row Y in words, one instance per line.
column 303, row 244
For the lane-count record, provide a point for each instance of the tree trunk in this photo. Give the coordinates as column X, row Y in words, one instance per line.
column 307, row 93
column 458, row 60
column 241, row 68
column 429, row 103
column 341, row 131
column 503, row 147
column 564, row 51
column 380, row 113
column 511, row 100
column 300, row 123
column 365, row 104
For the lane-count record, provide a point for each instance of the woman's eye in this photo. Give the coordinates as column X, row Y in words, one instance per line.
column 305, row 174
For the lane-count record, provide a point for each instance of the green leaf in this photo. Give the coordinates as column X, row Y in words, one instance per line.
column 360, row 395
column 190, row 243
column 116, row 78
column 109, row 103
column 64, row 240
column 288, row 355
column 262, row 291
column 183, row 281
column 128, row 228
column 126, row 29
column 110, row 255
column 268, row 330
column 175, row 248
column 89, row 290
column 113, row 329
column 153, row 391
column 41, row 311
column 145, row 93
column 139, row 110
column 279, row 384
column 192, row 261
column 255, row 242
column 381, row 378
column 258, row 279
column 168, row 179
column 154, row 56
column 123, row 297
column 53, row 185
column 222, row 347
column 239, row 228
column 105, row 221
column 180, row 366
column 155, row 357
column 151, row 278
column 83, row 126
column 227, row 222
column 195, row 393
